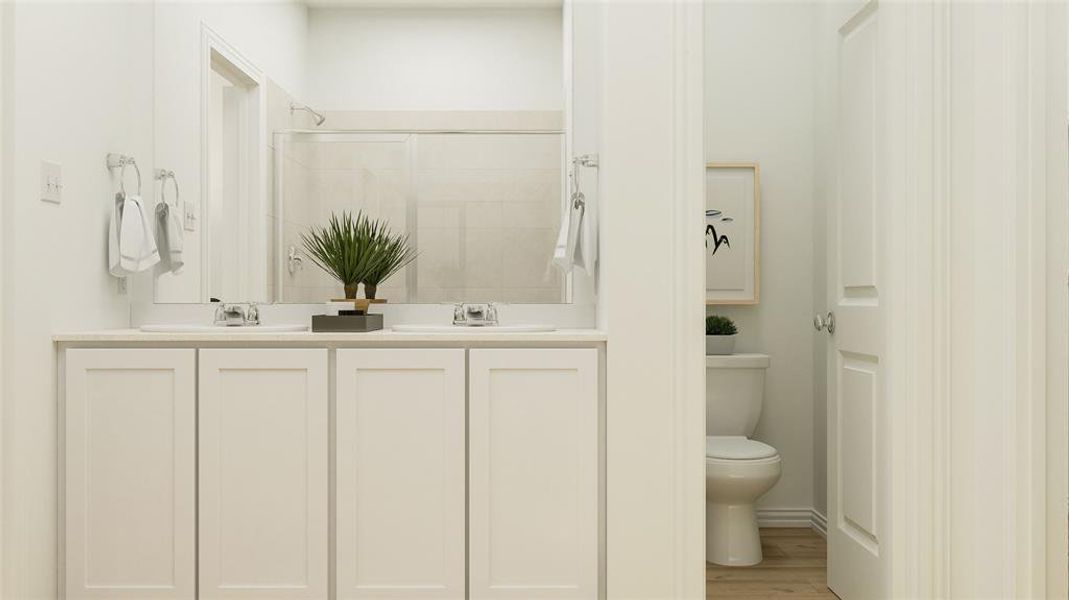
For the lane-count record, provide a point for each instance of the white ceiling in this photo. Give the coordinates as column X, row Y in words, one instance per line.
column 457, row 4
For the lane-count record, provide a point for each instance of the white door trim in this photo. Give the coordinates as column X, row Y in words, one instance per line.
column 652, row 175
column 915, row 341
column 689, row 293
column 1057, row 308
column 5, row 219
column 988, row 387
column 254, row 134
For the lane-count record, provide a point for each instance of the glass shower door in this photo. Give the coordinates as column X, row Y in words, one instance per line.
column 481, row 208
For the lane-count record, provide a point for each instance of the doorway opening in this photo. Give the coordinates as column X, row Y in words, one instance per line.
column 797, row 427
column 233, row 157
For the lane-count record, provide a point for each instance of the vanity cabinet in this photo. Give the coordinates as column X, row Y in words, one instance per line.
column 320, row 473
column 129, row 457
column 533, row 479
column 263, row 458
column 400, row 459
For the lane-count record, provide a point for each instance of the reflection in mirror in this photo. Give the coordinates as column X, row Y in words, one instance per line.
column 232, row 171
column 446, row 122
column 482, row 208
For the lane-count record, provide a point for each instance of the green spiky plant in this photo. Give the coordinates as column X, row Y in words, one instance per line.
column 391, row 253
column 344, row 249
column 718, row 325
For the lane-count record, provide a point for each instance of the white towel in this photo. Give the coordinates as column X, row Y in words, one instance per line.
column 169, row 239
column 114, row 254
column 131, row 245
column 568, row 253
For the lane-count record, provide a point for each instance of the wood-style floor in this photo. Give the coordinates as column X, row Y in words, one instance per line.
column 795, row 567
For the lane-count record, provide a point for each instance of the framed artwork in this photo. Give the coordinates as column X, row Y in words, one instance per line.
column 732, row 233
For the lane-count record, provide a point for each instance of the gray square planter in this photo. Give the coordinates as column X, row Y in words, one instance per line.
column 719, row 344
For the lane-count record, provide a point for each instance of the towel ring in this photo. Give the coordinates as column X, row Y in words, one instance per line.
column 162, row 175
column 121, row 161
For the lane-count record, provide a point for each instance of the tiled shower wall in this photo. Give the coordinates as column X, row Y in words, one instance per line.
column 482, row 209
column 324, row 178
column 488, row 207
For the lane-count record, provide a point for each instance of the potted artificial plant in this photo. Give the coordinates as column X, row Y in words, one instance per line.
column 342, row 248
column 719, row 335
column 355, row 250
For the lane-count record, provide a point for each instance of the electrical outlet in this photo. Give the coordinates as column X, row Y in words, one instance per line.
column 51, row 182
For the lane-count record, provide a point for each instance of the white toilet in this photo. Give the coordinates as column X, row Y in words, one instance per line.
column 738, row 470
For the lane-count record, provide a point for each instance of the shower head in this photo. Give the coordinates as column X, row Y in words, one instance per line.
column 319, row 118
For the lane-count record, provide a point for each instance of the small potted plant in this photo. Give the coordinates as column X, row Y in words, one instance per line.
column 357, row 250
column 344, row 249
column 719, row 335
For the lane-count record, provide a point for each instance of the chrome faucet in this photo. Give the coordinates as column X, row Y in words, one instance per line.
column 237, row 315
column 475, row 315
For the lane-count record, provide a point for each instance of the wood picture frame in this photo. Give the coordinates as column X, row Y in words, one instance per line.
column 732, row 223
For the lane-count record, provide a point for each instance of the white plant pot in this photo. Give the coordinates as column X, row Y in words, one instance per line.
column 719, row 344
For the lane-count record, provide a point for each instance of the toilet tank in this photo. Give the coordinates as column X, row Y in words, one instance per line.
column 734, row 391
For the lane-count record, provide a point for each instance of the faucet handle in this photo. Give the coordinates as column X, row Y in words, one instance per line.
column 491, row 312
column 252, row 315
column 220, row 313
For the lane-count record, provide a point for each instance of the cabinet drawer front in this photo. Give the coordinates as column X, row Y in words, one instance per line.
column 533, row 495
column 129, row 472
column 400, row 474
column 263, row 473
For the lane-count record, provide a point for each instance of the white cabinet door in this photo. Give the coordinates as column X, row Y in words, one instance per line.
column 533, row 478
column 263, row 473
column 400, row 474
column 129, row 474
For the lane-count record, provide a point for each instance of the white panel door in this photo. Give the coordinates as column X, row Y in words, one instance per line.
column 859, row 219
column 263, row 473
column 400, row 474
column 533, row 476
column 129, row 474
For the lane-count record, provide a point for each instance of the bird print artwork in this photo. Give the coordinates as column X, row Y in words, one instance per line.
column 710, row 230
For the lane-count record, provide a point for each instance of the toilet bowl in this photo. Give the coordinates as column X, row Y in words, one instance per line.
column 738, row 469
column 737, row 472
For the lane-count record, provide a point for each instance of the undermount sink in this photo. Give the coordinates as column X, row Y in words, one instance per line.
column 469, row 329
column 187, row 328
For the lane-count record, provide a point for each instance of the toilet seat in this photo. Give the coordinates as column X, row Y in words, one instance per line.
column 732, row 447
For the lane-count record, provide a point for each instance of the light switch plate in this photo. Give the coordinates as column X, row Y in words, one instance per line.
column 189, row 216
column 51, row 182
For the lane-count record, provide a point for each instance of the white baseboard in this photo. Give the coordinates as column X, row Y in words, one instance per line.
column 820, row 524
column 793, row 517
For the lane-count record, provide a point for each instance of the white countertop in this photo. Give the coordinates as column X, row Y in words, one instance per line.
column 384, row 336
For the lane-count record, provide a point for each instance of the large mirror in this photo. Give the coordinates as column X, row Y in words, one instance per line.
column 445, row 122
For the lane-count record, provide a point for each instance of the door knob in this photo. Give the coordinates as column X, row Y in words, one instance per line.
column 821, row 322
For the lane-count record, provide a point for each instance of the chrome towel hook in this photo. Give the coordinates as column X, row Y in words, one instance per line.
column 121, row 161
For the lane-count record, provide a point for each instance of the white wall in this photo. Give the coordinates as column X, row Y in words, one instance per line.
column 426, row 59
column 71, row 102
column 759, row 79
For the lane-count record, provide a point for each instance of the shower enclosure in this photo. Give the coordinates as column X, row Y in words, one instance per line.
column 482, row 208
